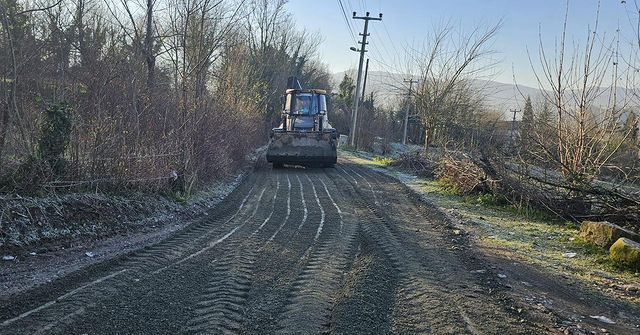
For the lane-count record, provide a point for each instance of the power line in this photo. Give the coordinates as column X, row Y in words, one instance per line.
column 390, row 68
column 383, row 48
column 346, row 21
column 393, row 45
column 350, row 10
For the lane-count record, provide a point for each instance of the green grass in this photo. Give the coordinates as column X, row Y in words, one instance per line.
column 447, row 186
column 384, row 161
column 179, row 197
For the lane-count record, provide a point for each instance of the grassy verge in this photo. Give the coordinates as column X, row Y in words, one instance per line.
column 531, row 237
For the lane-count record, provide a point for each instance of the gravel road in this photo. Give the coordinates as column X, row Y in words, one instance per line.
column 341, row 250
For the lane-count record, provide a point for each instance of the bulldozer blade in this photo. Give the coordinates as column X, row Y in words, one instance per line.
column 308, row 149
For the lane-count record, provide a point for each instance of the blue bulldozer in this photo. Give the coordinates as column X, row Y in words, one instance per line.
column 305, row 136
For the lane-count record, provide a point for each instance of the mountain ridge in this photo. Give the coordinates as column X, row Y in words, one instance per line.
column 499, row 97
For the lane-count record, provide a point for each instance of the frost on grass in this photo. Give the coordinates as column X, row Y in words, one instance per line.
column 530, row 237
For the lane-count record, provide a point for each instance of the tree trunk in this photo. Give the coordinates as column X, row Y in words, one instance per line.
column 12, row 103
column 4, row 129
column 150, row 59
column 427, row 138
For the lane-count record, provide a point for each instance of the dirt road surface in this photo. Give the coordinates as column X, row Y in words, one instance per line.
column 342, row 250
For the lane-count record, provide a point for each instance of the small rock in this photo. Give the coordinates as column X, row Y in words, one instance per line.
column 479, row 271
column 8, row 258
column 602, row 318
column 626, row 251
column 604, row 234
column 500, row 275
column 89, row 254
column 33, row 253
column 457, row 232
column 569, row 254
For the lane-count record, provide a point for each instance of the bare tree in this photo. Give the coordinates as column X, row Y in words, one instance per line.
column 446, row 67
column 587, row 136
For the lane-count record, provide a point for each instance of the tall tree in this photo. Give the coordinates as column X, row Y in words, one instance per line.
column 528, row 120
column 586, row 136
column 631, row 127
column 346, row 87
column 446, row 65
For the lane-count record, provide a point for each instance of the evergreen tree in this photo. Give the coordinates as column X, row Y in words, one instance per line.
column 346, row 88
column 527, row 115
column 631, row 126
column 544, row 117
column 527, row 124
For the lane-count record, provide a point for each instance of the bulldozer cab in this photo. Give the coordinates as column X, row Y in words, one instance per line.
column 305, row 110
column 307, row 102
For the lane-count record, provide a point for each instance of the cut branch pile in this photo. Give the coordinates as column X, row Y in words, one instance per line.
column 415, row 162
column 466, row 176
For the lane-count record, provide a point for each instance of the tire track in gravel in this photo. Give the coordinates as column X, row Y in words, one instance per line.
column 366, row 299
column 273, row 205
column 304, row 206
column 163, row 255
column 186, row 287
column 74, row 301
column 278, row 264
column 322, row 218
column 409, row 312
column 312, row 294
column 221, row 308
column 371, row 189
column 431, row 295
column 286, row 218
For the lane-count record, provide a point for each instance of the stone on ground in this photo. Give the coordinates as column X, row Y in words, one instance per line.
column 604, row 233
column 626, row 252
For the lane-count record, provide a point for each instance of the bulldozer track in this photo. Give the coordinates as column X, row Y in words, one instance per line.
column 289, row 251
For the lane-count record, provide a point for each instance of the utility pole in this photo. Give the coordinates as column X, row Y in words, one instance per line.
column 364, row 84
column 362, row 50
column 513, row 125
column 406, row 112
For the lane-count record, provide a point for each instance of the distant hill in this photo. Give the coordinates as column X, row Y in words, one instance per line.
column 500, row 97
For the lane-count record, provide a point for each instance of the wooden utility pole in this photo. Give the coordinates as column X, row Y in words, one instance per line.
column 362, row 50
column 364, row 84
column 513, row 125
column 406, row 110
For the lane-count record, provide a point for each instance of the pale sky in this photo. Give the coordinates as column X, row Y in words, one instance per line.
column 406, row 23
